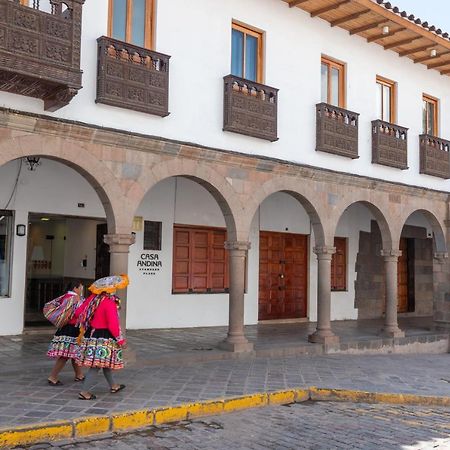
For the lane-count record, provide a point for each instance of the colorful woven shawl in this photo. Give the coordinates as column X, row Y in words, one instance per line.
column 86, row 316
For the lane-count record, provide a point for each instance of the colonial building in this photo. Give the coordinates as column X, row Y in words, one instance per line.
column 243, row 161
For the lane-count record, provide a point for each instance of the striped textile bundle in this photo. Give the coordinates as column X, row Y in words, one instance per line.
column 60, row 310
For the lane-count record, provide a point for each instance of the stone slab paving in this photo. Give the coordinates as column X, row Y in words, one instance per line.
column 172, row 367
column 27, row 398
column 310, row 425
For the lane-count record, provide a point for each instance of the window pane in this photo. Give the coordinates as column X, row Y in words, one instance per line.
column 237, row 53
column 386, row 103
column 5, row 251
column 138, row 23
column 324, row 82
column 251, row 57
column 431, row 118
column 334, row 86
column 119, row 19
column 380, row 101
column 424, row 117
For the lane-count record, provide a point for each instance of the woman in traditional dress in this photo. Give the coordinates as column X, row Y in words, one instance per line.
column 102, row 344
column 64, row 344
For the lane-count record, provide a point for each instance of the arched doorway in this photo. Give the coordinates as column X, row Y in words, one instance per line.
column 53, row 216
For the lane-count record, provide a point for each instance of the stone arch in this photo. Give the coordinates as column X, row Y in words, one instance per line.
column 221, row 190
column 312, row 201
column 386, row 233
column 78, row 158
column 439, row 241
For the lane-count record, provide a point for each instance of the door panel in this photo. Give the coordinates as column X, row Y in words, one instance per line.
column 282, row 276
column 402, row 277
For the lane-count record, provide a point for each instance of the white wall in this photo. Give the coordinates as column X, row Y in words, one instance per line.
column 52, row 188
column 294, row 44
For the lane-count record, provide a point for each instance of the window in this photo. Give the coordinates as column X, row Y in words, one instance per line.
column 152, row 235
column 200, row 262
column 6, row 222
column 339, row 265
column 430, row 115
column 386, row 100
column 132, row 21
column 246, row 53
column 333, row 82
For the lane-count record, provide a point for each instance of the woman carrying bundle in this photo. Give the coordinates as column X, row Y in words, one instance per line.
column 101, row 341
column 64, row 344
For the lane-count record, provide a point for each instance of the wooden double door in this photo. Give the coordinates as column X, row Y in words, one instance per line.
column 405, row 276
column 283, row 273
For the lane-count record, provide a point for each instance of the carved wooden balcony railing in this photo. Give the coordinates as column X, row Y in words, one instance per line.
column 40, row 51
column 250, row 108
column 434, row 156
column 132, row 77
column 389, row 144
column 336, row 131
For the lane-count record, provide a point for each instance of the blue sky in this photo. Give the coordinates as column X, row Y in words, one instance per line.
column 435, row 12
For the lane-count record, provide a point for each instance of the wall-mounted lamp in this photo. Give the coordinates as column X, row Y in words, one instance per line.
column 33, row 162
column 21, row 229
column 433, row 53
column 385, row 29
column 138, row 222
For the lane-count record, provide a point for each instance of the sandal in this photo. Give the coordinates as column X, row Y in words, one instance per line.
column 54, row 383
column 79, row 378
column 82, row 397
column 117, row 389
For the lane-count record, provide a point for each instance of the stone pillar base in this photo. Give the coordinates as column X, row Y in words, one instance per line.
column 392, row 333
column 236, row 347
column 327, row 339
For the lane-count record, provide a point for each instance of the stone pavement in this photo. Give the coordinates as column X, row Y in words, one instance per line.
column 168, row 372
column 310, row 425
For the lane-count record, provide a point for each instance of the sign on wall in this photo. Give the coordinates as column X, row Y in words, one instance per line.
column 149, row 263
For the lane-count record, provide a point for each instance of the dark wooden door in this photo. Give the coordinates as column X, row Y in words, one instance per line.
column 282, row 275
column 102, row 258
column 402, row 277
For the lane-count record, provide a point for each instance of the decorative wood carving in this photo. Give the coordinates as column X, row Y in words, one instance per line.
column 336, row 131
column 250, row 108
column 434, row 156
column 132, row 77
column 40, row 51
column 389, row 144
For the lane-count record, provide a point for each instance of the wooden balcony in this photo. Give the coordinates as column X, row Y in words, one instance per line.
column 336, row 131
column 132, row 77
column 434, row 156
column 389, row 144
column 40, row 51
column 250, row 108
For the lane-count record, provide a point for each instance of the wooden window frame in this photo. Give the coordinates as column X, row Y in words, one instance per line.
column 392, row 85
column 333, row 282
column 435, row 102
column 149, row 22
column 209, row 290
column 259, row 35
column 333, row 63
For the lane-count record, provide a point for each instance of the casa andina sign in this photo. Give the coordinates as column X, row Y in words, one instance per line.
column 149, row 263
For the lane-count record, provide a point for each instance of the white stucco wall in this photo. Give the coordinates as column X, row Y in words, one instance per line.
column 294, row 43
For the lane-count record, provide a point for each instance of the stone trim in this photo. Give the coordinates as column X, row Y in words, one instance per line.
column 78, row 131
column 119, row 243
column 391, row 253
column 237, row 245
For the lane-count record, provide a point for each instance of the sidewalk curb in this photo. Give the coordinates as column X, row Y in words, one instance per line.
column 129, row 420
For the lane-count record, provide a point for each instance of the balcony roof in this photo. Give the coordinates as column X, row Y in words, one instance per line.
column 407, row 35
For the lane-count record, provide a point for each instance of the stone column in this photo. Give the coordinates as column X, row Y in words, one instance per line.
column 441, row 291
column 323, row 333
column 391, row 328
column 236, row 340
column 119, row 248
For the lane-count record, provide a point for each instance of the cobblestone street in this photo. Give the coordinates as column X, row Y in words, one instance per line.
column 309, row 425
